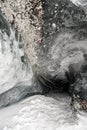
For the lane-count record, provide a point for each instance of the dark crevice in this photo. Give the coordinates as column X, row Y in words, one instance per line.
column 53, row 84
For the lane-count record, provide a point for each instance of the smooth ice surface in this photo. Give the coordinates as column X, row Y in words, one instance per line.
column 52, row 112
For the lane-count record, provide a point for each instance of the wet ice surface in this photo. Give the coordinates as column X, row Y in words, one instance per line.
column 52, row 112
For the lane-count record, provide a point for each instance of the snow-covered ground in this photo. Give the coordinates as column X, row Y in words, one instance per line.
column 52, row 112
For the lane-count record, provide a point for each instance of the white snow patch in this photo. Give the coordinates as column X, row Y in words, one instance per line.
column 80, row 2
column 42, row 113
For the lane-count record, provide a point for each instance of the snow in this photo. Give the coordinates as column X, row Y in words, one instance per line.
column 52, row 112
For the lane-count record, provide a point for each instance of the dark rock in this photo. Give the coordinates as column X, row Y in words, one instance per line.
column 64, row 46
column 4, row 25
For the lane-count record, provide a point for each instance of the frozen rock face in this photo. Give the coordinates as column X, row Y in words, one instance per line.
column 62, row 50
column 16, row 75
column 64, row 38
column 14, row 67
column 64, row 45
